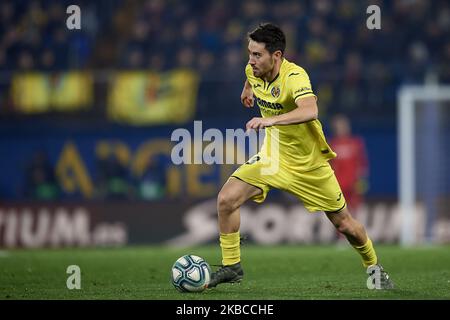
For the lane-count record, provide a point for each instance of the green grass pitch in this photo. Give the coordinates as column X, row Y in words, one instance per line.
column 275, row 273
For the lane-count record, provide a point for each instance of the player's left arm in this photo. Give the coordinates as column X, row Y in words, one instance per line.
column 306, row 111
column 299, row 87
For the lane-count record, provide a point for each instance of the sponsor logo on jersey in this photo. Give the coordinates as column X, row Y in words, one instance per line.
column 303, row 89
column 264, row 104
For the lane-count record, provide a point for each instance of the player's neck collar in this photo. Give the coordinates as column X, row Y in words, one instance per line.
column 277, row 75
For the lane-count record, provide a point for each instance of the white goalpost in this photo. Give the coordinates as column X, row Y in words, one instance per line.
column 422, row 120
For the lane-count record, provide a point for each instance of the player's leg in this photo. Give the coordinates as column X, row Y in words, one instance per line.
column 356, row 234
column 319, row 190
column 233, row 194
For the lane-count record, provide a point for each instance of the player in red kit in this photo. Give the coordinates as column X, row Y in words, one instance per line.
column 351, row 164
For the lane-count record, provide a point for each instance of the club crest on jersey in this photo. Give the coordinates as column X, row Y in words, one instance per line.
column 275, row 92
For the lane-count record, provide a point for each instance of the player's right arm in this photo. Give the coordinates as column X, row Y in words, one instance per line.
column 247, row 95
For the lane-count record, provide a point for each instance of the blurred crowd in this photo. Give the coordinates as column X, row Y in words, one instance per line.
column 353, row 69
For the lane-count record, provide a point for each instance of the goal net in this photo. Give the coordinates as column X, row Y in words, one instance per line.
column 424, row 163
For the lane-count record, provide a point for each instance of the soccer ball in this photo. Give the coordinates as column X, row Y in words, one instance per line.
column 190, row 273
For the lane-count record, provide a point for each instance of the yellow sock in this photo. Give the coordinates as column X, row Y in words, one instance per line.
column 367, row 253
column 231, row 249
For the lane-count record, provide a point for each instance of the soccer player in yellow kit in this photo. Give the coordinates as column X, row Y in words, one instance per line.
column 283, row 92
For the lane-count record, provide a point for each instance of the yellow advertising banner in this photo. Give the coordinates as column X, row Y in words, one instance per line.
column 42, row 92
column 142, row 98
column 30, row 93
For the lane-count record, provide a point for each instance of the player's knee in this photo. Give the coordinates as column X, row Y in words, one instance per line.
column 342, row 228
column 226, row 202
column 346, row 227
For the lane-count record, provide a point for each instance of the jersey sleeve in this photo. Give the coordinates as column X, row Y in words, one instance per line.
column 299, row 85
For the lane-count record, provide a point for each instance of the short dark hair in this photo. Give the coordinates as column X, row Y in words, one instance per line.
column 271, row 35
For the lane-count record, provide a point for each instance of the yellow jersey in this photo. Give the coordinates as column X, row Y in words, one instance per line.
column 302, row 147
